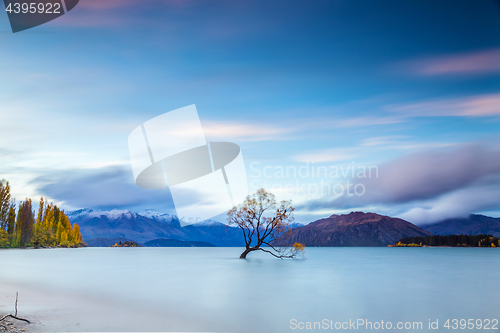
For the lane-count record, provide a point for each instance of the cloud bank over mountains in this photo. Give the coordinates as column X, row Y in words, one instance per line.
column 104, row 188
column 422, row 187
column 431, row 185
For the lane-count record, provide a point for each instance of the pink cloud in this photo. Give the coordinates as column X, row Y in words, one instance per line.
column 482, row 62
column 473, row 106
column 88, row 20
column 109, row 4
column 244, row 131
column 100, row 4
column 108, row 13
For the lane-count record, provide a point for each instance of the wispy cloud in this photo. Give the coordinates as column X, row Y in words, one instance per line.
column 471, row 63
column 393, row 114
column 472, row 106
column 216, row 130
column 366, row 121
column 109, row 13
column 383, row 140
column 326, row 155
column 100, row 4
column 105, row 4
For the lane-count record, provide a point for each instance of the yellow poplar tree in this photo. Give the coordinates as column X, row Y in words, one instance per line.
column 39, row 220
column 77, row 235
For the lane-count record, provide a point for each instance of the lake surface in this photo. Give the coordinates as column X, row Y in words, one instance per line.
column 211, row 290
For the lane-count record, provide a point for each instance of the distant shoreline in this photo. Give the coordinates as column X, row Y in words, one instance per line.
column 237, row 247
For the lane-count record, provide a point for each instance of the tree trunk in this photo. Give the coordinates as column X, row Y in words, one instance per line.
column 247, row 251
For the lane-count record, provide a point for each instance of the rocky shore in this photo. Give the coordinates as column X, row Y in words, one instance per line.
column 10, row 325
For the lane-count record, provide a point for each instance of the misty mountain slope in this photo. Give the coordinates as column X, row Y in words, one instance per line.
column 103, row 227
column 354, row 229
column 475, row 224
column 150, row 225
column 219, row 234
column 215, row 233
column 123, row 223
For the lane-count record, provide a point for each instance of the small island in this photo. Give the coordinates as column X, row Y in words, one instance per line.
column 126, row 244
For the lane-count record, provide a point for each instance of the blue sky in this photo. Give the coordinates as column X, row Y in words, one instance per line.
column 411, row 88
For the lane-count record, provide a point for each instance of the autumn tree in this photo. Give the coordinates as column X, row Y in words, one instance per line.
column 262, row 222
column 49, row 220
column 11, row 220
column 51, row 228
column 39, row 218
column 5, row 203
column 54, row 228
column 42, row 237
column 77, row 235
column 4, row 239
column 25, row 222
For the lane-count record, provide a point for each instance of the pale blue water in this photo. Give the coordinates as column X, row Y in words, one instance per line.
column 210, row 289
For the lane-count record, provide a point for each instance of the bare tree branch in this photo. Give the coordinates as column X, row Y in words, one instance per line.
column 15, row 315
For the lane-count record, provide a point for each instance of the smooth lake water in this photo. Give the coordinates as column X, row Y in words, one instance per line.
column 211, row 290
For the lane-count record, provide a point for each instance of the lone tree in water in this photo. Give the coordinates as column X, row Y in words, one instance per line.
column 263, row 221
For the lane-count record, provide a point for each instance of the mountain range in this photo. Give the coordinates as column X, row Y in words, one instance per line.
column 475, row 224
column 105, row 228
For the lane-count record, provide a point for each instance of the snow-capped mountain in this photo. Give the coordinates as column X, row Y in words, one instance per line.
column 153, row 214
column 189, row 220
column 148, row 225
column 208, row 223
column 79, row 213
column 87, row 213
column 127, row 224
column 114, row 214
column 174, row 220
column 184, row 221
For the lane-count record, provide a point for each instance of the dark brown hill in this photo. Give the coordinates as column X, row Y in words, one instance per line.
column 354, row 229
